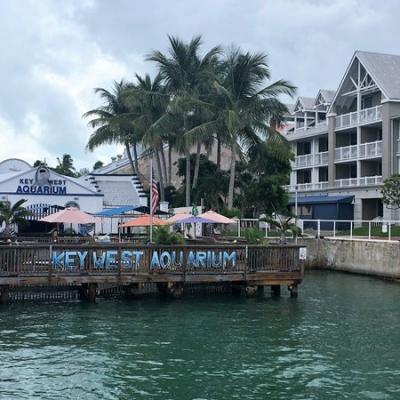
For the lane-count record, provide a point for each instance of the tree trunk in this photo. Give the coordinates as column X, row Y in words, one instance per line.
column 197, row 166
column 169, row 165
column 135, row 156
column 218, row 153
column 187, row 176
column 128, row 153
column 160, row 175
column 164, row 165
column 232, row 177
column 187, row 153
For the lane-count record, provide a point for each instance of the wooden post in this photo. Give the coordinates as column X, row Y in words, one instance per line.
column 87, row 292
column 293, row 290
column 276, row 290
column 92, row 288
column 173, row 290
column 4, row 294
column 250, row 291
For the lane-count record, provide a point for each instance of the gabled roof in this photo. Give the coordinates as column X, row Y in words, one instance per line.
column 328, row 95
column 384, row 69
column 306, row 103
column 290, row 108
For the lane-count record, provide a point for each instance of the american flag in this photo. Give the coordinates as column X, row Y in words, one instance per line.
column 155, row 197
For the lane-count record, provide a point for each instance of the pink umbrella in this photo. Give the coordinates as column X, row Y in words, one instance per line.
column 70, row 216
column 217, row 218
column 176, row 217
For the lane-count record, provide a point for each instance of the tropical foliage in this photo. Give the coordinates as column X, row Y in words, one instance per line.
column 284, row 224
column 162, row 235
column 199, row 100
column 10, row 216
column 391, row 191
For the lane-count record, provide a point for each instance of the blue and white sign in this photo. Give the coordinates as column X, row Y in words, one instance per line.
column 135, row 258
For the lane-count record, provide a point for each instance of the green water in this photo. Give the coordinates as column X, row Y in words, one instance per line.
column 339, row 340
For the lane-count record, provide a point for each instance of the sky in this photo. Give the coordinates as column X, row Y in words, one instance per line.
column 53, row 53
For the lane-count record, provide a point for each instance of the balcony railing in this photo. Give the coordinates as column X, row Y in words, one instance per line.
column 311, row 160
column 361, row 181
column 365, row 116
column 304, row 187
column 370, row 150
column 319, row 127
column 361, row 151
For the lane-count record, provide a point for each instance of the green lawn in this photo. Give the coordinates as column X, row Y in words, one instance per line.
column 375, row 231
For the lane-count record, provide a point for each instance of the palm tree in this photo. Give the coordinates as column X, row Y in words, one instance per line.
column 149, row 102
column 245, row 109
column 112, row 121
column 65, row 166
column 12, row 215
column 283, row 224
column 185, row 73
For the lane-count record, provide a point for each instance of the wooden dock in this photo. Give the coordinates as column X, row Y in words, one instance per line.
column 247, row 268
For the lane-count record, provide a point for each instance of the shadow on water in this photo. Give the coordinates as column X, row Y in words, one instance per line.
column 338, row 339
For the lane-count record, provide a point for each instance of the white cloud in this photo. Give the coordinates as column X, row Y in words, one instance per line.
column 54, row 53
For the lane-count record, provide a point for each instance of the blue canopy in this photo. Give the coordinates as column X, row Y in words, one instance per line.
column 116, row 211
column 307, row 200
column 112, row 212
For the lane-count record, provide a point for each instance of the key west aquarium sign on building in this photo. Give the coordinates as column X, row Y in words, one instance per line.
column 42, row 184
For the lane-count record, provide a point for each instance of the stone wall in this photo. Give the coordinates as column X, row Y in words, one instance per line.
column 379, row 258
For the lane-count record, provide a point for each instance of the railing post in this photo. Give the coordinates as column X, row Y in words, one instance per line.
column 318, row 228
column 369, row 230
column 390, row 231
column 351, row 230
column 334, row 228
column 50, row 259
column 119, row 260
column 238, row 227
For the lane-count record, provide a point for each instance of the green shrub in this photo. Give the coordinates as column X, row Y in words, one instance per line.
column 230, row 213
column 253, row 236
column 162, row 235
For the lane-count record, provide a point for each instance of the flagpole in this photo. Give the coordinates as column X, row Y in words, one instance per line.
column 151, row 198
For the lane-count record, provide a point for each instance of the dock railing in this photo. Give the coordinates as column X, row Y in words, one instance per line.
column 61, row 259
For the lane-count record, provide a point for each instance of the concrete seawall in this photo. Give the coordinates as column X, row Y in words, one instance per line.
column 379, row 258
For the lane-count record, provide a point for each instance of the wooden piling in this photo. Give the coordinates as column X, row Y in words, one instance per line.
column 276, row 290
column 4, row 294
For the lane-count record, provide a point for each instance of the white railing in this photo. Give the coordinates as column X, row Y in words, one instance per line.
column 370, row 150
column 355, row 118
column 361, row 151
column 304, row 187
column 310, row 160
column 319, row 126
column 346, row 153
column 361, row 181
column 322, row 123
column 370, row 180
column 377, row 229
column 304, row 160
column 346, row 182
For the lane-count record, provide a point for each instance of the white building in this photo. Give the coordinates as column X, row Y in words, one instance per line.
column 46, row 191
column 346, row 142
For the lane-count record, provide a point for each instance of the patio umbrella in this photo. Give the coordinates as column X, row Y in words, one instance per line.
column 174, row 218
column 191, row 219
column 143, row 220
column 194, row 220
column 217, row 218
column 69, row 216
